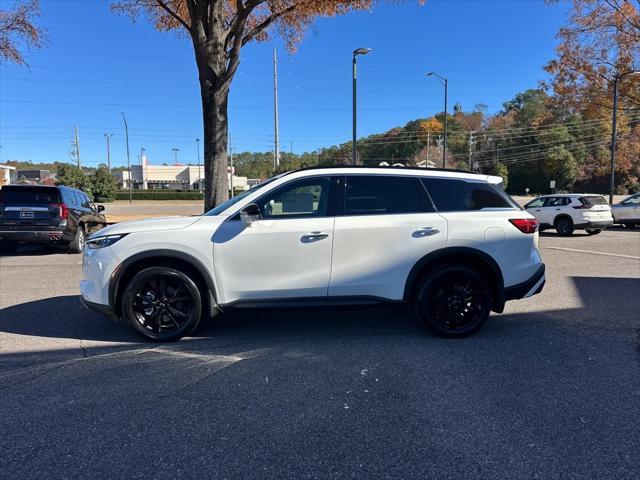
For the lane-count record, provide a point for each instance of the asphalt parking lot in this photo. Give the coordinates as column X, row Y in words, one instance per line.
column 550, row 389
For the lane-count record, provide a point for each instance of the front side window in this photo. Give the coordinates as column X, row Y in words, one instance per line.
column 304, row 198
column 632, row 201
column 384, row 195
column 451, row 195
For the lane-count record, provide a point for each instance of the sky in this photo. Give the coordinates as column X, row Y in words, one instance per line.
column 98, row 64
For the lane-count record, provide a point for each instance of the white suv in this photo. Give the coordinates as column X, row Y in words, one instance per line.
column 569, row 212
column 452, row 243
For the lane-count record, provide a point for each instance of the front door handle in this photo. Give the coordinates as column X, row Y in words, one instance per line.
column 425, row 232
column 313, row 237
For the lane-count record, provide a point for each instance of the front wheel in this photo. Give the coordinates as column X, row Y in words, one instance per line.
column 162, row 304
column 453, row 301
column 591, row 231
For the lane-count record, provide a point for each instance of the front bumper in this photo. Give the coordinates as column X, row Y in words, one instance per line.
column 528, row 288
column 104, row 310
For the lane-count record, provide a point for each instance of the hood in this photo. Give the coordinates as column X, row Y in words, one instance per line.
column 148, row 225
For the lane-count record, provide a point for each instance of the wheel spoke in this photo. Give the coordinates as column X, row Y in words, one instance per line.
column 173, row 319
column 176, row 312
column 174, row 296
column 178, row 299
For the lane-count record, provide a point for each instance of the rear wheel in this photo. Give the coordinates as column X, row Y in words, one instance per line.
column 564, row 226
column 77, row 244
column 162, row 304
column 453, row 301
column 592, row 231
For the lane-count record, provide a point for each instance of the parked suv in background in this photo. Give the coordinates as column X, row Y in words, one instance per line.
column 569, row 212
column 40, row 214
column 627, row 212
column 453, row 244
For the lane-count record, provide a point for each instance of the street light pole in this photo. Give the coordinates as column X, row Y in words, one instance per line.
column 126, row 134
column 614, row 132
column 175, row 153
column 354, row 71
column 445, row 82
column 199, row 174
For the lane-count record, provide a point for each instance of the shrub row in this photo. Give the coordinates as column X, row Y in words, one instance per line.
column 159, row 195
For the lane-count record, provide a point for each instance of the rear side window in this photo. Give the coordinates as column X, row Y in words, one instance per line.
column 68, row 197
column 28, row 195
column 458, row 195
column 595, row 200
column 384, row 195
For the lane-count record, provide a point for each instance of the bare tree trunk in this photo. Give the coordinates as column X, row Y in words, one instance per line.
column 216, row 134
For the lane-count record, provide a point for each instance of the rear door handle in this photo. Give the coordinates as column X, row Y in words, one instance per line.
column 425, row 232
column 313, row 237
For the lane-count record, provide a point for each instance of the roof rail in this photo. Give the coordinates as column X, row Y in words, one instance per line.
column 390, row 167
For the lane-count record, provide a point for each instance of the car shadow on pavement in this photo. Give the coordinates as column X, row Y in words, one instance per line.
column 606, row 301
column 35, row 251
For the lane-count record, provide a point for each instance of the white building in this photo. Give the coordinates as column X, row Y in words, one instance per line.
column 8, row 175
column 170, row 177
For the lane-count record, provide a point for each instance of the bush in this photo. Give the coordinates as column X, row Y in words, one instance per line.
column 159, row 195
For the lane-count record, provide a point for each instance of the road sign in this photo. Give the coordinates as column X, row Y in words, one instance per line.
column 552, row 184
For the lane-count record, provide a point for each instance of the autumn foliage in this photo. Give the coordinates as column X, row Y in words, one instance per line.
column 18, row 29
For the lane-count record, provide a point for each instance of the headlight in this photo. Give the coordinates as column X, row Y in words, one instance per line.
column 104, row 241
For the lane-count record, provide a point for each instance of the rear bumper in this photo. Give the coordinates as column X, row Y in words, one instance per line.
column 104, row 310
column 528, row 288
column 595, row 225
column 32, row 236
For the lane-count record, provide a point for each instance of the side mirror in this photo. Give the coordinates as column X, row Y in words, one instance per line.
column 250, row 214
column 100, row 208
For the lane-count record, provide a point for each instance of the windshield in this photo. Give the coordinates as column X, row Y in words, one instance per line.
column 29, row 195
column 232, row 201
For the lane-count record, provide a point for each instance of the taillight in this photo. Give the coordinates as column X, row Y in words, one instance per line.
column 63, row 210
column 582, row 207
column 525, row 225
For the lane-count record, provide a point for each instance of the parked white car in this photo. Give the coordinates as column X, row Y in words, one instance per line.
column 627, row 212
column 569, row 212
column 453, row 244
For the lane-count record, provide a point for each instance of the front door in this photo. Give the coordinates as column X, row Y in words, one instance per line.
column 284, row 254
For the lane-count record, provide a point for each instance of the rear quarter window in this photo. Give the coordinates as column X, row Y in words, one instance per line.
column 593, row 200
column 450, row 195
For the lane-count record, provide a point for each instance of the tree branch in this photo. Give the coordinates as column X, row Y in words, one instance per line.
column 173, row 14
column 268, row 21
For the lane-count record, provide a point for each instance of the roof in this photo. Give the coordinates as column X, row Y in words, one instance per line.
column 390, row 167
column 571, row 195
column 427, row 172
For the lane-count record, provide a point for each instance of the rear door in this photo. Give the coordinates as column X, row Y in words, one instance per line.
column 387, row 224
column 29, row 207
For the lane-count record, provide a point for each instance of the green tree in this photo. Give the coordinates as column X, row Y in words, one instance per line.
column 501, row 170
column 103, row 185
column 72, row 176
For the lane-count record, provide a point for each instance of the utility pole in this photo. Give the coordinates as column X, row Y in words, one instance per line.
column 199, row 174
column 470, row 149
column 444, row 82
column 126, row 134
column 107, row 137
column 231, row 161
column 142, row 168
column 276, row 127
column 428, row 141
column 77, row 145
column 175, row 153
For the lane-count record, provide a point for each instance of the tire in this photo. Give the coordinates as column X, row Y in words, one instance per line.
column 162, row 304
column 77, row 244
column 453, row 301
column 564, row 226
column 595, row 231
column 7, row 247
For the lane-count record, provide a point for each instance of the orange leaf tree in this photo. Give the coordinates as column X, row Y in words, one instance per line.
column 218, row 30
column 17, row 26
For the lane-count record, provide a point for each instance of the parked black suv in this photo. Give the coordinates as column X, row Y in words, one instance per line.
column 55, row 215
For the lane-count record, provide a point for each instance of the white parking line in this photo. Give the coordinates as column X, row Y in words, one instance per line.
column 594, row 253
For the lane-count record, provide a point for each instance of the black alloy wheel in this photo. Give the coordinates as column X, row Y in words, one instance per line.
column 162, row 304
column 454, row 301
column 593, row 231
column 564, row 226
